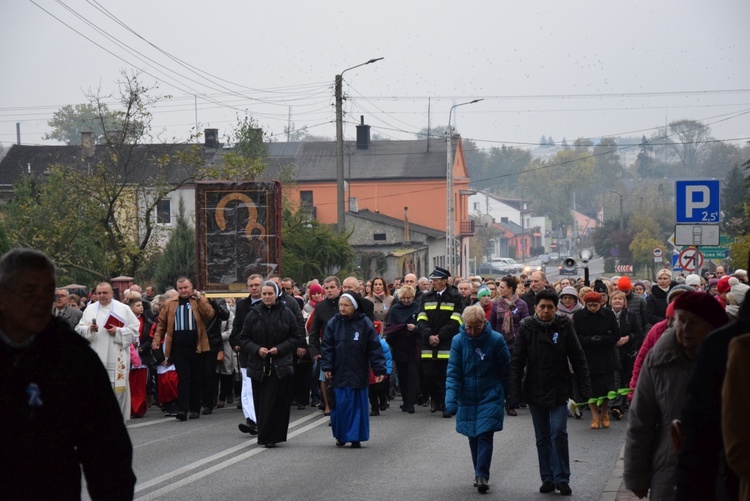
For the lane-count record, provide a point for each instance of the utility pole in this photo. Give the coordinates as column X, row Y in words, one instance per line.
column 340, row 143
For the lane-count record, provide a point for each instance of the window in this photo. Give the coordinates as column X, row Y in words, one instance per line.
column 306, row 198
column 378, row 236
column 503, row 219
column 164, row 211
column 476, row 206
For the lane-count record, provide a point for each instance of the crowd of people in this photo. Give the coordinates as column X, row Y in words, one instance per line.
column 475, row 348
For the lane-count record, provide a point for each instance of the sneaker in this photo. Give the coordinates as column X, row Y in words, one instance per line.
column 482, row 486
column 547, row 487
column 564, row 489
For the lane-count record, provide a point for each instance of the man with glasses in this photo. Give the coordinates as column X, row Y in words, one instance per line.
column 111, row 327
column 61, row 308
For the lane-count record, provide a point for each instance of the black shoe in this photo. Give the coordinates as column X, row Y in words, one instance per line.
column 476, row 481
column 315, row 403
column 294, row 402
column 239, row 404
column 300, row 407
column 384, row 406
column 194, row 415
column 482, row 486
column 270, row 445
column 248, row 426
column 230, row 400
column 356, row 445
column 564, row 489
column 410, row 409
column 375, row 413
column 339, row 443
column 181, row 416
column 207, row 410
column 447, row 414
column 547, row 487
column 322, row 406
column 433, row 407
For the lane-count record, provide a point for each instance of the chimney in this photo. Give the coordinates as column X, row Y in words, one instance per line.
column 113, row 136
column 211, row 137
column 88, row 144
column 407, row 237
column 363, row 134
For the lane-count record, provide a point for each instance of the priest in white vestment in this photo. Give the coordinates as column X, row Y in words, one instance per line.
column 110, row 327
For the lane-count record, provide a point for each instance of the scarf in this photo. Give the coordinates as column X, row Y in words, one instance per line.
column 542, row 323
column 506, row 307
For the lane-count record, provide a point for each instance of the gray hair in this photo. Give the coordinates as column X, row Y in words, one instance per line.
column 17, row 261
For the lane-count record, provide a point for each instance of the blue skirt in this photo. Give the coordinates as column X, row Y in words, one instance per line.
column 350, row 420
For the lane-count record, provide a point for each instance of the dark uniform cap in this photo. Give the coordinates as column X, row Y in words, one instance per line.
column 439, row 272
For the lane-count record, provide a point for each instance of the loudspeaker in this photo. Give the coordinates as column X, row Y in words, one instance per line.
column 569, row 264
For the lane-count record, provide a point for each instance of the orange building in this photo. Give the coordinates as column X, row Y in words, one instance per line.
column 383, row 177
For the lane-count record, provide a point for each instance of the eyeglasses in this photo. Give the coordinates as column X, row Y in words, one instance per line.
column 59, row 296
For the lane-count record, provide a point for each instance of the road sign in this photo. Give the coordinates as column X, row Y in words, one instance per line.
column 676, row 262
column 696, row 234
column 658, row 252
column 697, row 202
column 714, row 252
column 690, row 260
column 624, row 268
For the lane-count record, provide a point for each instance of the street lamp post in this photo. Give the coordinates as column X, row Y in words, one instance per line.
column 340, row 143
column 450, row 246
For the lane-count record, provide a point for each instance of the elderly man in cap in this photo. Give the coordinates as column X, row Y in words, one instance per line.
column 438, row 321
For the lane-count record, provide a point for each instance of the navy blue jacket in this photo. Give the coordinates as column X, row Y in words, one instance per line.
column 350, row 347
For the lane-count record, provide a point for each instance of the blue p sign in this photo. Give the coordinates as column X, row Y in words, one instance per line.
column 697, row 202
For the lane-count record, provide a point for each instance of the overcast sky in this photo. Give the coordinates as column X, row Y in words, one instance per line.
column 542, row 67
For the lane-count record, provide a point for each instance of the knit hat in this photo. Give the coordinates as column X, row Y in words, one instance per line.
column 693, row 279
column 703, row 305
column 315, row 289
column 569, row 291
column 723, row 285
column 740, row 273
column 670, row 310
column 643, row 286
column 592, row 297
column 713, row 282
column 624, row 284
column 483, row 291
column 600, row 287
column 664, row 271
column 739, row 293
column 677, row 290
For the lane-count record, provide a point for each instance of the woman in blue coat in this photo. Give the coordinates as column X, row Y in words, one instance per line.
column 477, row 376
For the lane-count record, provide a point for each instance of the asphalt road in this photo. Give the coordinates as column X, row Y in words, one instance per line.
column 596, row 268
column 418, row 456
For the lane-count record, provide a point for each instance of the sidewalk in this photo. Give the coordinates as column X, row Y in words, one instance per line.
column 615, row 488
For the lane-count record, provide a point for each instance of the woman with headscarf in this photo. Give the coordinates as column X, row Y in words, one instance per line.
column 405, row 342
column 349, row 343
column 269, row 336
column 598, row 333
column 661, row 391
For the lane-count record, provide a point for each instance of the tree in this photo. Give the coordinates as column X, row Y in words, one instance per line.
column 52, row 216
column 642, row 248
column 609, row 241
column 69, row 121
column 310, row 249
column 247, row 158
column 502, row 168
column 178, row 258
column 734, row 198
column 689, row 140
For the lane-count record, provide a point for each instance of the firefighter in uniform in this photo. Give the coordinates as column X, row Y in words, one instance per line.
column 438, row 321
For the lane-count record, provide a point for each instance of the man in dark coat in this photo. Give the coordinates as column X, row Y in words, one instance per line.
column 544, row 344
column 60, row 415
column 438, row 321
column 538, row 283
column 323, row 312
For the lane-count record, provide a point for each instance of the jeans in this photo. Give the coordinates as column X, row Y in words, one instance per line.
column 551, row 429
column 481, row 453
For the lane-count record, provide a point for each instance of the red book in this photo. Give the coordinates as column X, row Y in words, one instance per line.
column 113, row 321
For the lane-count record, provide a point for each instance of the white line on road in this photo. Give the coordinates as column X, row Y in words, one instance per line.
column 203, row 473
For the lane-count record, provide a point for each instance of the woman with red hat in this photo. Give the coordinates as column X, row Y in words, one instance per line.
column 650, row 458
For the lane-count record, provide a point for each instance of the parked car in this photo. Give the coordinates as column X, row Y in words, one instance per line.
column 507, row 264
column 491, row 270
column 544, row 258
column 535, row 265
column 554, row 257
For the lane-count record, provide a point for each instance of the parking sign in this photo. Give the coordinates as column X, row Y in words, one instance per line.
column 697, row 202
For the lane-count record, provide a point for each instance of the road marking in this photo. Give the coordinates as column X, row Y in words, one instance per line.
column 203, row 473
